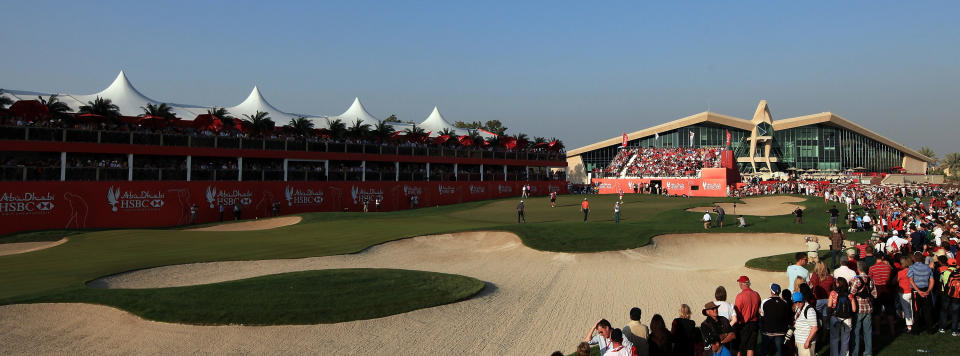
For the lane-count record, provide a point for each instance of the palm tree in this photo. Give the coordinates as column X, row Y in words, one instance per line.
column 338, row 129
column 358, row 130
column 4, row 101
column 58, row 110
column 382, row 130
column 415, row 132
column 260, row 123
column 475, row 137
column 102, row 107
column 926, row 151
column 226, row 119
column 952, row 162
column 538, row 140
column 559, row 145
column 522, row 140
column 163, row 110
column 301, row 126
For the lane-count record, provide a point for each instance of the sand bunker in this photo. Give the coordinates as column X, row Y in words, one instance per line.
column 24, row 247
column 535, row 302
column 253, row 225
column 762, row 206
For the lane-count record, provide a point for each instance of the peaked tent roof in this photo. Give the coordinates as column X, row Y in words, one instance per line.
column 436, row 123
column 354, row 112
column 128, row 99
column 255, row 102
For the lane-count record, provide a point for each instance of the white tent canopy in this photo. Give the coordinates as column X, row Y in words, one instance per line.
column 128, row 99
column 354, row 112
column 436, row 123
column 255, row 102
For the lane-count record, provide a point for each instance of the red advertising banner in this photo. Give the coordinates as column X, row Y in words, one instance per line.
column 79, row 205
column 712, row 183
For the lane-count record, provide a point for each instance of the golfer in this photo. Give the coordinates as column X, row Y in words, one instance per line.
column 585, row 208
column 706, row 220
column 520, row 217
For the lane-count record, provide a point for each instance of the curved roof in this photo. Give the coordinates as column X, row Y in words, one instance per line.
column 128, row 99
column 436, row 123
column 354, row 112
column 255, row 102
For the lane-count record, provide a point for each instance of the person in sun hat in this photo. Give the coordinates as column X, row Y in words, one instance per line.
column 716, row 330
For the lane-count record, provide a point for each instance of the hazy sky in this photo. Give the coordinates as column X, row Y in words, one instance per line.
column 581, row 71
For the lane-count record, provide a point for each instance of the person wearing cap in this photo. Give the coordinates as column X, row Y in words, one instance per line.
column 804, row 326
column 616, row 212
column 585, row 209
column 813, row 249
column 747, row 307
column 949, row 306
column 774, row 322
column 520, row 210
column 716, row 330
column 706, row 220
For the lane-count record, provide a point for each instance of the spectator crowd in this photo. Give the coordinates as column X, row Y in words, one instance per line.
column 662, row 162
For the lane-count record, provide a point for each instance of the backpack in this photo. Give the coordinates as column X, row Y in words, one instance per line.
column 953, row 285
column 864, row 291
column 844, row 308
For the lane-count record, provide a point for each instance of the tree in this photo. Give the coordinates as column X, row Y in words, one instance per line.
column 522, row 140
column 926, row 151
column 226, row 119
column 382, row 130
column 415, row 132
column 952, row 162
column 260, row 123
column 4, row 101
column 338, row 129
column 539, row 140
column 58, row 110
column 301, row 125
column 102, row 107
column 391, row 118
column 495, row 126
column 162, row 110
column 468, row 125
column 358, row 130
column 559, row 145
column 475, row 137
column 447, row 131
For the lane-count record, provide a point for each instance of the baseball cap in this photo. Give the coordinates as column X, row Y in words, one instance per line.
column 743, row 279
column 708, row 306
column 797, row 297
column 775, row 288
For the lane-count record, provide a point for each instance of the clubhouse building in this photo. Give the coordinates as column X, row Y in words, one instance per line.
column 823, row 142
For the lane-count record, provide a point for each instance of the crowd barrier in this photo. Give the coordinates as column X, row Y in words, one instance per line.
column 122, row 204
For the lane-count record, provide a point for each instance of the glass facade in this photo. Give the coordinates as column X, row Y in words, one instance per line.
column 824, row 147
column 704, row 135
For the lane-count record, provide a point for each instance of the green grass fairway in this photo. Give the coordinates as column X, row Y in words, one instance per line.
column 63, row 270
column 310, row 297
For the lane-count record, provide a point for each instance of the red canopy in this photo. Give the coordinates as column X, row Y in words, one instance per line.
column 215, row 126
column 441, row 139
column 156, row 122
column 30, row 110
column 204, row 120
column 465, row 140
column 92, row 118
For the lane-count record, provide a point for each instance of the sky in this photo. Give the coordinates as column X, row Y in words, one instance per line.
column 580, row 71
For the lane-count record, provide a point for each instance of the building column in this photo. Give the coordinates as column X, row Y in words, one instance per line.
column 456, row 172
column 189, row 166
column 481, row 172
column 363, row 171
column 326, row 169
column 63, row 165
column 286, row 162
column 526, row 172
column 129, row 166
column 396, row 170
column 504, row 173
column 428, row 171
column 239, row 169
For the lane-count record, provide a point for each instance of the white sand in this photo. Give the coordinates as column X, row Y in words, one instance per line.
column 535, row 302
column 24, row 247
column 253, row 225
column 761, row 206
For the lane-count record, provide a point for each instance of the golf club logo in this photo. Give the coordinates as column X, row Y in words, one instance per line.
column 449, row 189
column 217, row 197
column 26, row 203
column 504, row 188
column 412, row 190
column 302, row 197
column 711, row 186
column 676, row 186
column 360, row 195
column 144, row 200
column 477, row 189
column 552, row 188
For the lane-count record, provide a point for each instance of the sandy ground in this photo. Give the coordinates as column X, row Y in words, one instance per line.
column 762, row 206
column 535, row 302
column 24, row 247
column 253, row 225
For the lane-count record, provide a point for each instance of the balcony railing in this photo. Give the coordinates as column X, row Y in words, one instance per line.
column 275, row 144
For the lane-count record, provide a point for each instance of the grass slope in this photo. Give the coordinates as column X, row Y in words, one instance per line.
column 309, row 297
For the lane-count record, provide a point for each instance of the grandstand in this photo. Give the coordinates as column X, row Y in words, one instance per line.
column 130, row 164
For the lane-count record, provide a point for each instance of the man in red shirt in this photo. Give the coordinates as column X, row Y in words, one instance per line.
column 886, row 300
column 747, row 306
column 585, row 208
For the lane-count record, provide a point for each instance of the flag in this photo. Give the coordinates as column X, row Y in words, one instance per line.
column 691, row 138
column 624, row 143
column 728, row 138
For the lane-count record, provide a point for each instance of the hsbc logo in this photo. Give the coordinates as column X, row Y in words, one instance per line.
column 504, row 189
column 26, row 203
column 303, row 197
column 125, row 200
column 446, row 189
column 477, row 189
column 217, row 197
